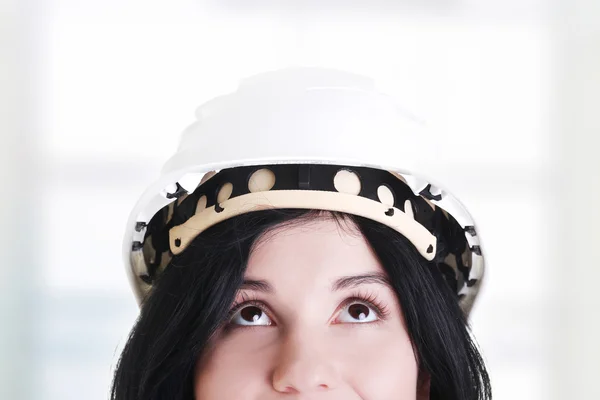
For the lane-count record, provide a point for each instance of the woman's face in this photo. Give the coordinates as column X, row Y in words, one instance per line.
column 316, row 320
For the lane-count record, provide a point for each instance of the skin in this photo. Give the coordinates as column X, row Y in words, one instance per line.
column 308, row 341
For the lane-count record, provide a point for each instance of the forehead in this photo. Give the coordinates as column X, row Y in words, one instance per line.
column 311, row 252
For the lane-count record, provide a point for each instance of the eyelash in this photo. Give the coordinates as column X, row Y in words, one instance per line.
column 368, row 298
column 238, row 305
column 246, row 300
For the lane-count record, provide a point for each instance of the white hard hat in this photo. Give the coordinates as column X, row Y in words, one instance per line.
column 303, row 116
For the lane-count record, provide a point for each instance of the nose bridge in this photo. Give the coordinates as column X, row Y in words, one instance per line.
column 305, row 363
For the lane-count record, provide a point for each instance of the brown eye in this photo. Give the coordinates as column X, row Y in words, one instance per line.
column 357, row 312
column 250, row 315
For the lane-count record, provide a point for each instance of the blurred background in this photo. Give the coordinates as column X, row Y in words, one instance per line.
column 93, row 97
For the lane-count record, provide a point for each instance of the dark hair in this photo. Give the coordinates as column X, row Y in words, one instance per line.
column 192, row 297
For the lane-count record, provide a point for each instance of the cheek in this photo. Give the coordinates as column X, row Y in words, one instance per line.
column 234, row 371
column 380, row 365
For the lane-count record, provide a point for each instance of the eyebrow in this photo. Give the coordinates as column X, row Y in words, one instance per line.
column 345, row 282
column 348, row 282
column 257, row 285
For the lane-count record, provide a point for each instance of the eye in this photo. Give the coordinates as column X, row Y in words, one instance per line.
column 250, row 314
column 357, row 312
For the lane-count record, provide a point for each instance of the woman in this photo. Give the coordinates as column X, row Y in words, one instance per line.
column 284, row 273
